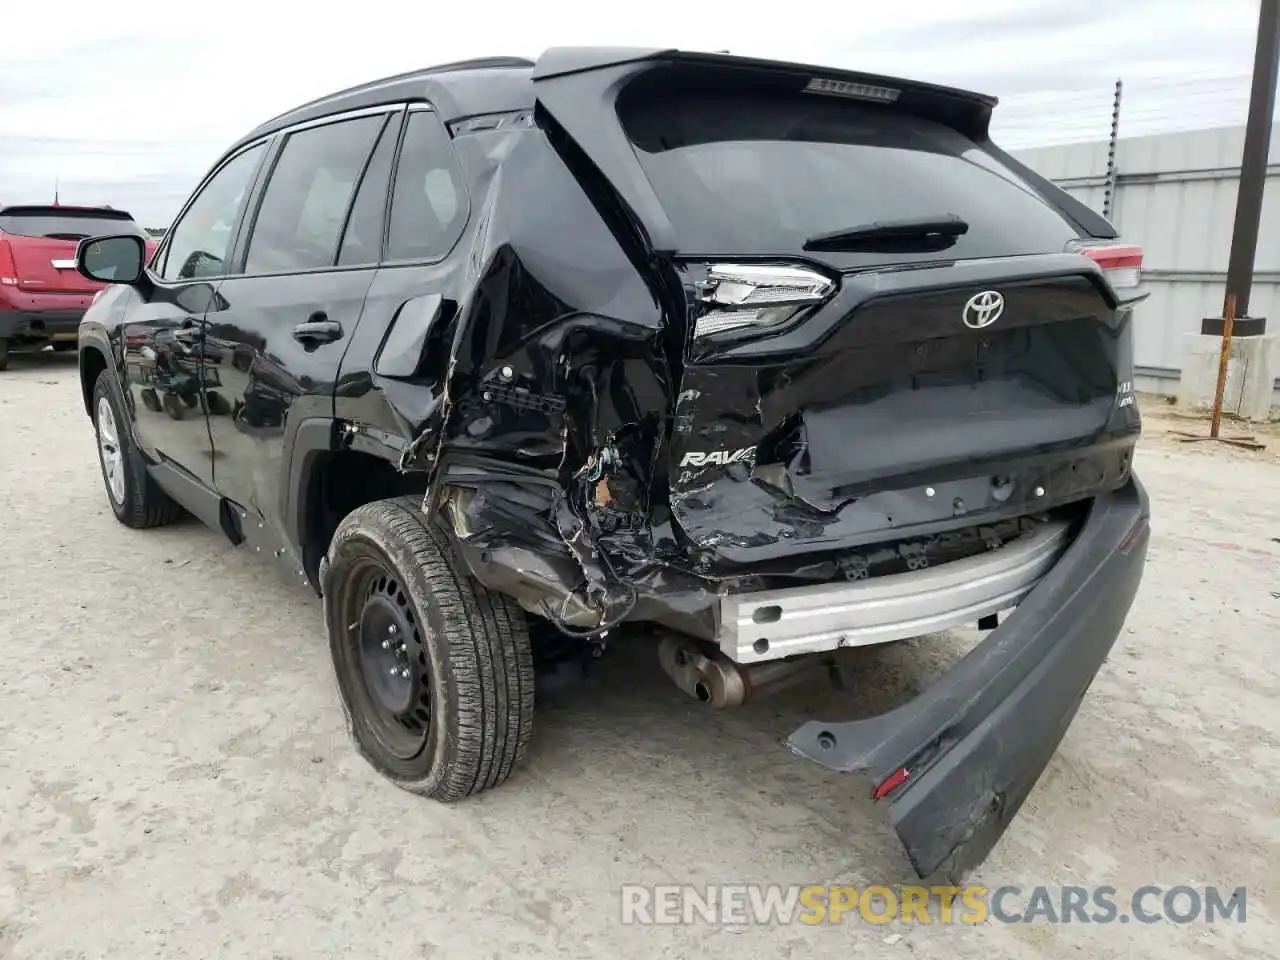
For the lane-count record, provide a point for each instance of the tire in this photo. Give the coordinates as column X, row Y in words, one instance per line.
column 216, row 404
column 4, row 353
column 136, row 500
column 458, row 718
column 173, row 406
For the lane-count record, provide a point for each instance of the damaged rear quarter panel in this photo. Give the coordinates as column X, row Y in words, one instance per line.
column 546, row 399
column 552, row 310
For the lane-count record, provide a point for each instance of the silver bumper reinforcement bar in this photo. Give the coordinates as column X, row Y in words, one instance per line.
column 772, row 624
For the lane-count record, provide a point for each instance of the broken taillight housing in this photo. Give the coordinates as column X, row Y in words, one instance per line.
column 1121, row 263
column 755, row 296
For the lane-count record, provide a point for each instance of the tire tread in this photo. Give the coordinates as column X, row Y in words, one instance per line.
column 488, row 654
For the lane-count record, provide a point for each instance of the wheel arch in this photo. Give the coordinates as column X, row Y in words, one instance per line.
column 92, row 362
column 327, row 480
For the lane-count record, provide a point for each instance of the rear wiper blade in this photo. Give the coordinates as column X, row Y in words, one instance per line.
column 923, row 232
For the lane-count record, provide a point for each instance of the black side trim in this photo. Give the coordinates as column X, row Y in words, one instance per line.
column 196, row 498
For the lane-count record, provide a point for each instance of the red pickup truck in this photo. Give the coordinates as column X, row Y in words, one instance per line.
column 42, row 295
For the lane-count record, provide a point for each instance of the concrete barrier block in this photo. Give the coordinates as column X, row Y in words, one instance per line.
column 1251, row 370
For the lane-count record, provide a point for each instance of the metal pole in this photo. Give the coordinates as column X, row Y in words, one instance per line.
column 1253, row 167
column 1244, row 235
column 1224, row 358
column 1109, row 193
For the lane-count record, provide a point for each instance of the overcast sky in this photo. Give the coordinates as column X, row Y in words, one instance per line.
column 128, row 104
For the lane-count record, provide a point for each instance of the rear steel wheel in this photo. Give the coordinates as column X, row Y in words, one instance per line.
column 393, row 663
column 434, row 671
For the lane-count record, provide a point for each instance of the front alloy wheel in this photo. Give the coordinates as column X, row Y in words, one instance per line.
column 136, row 499
column 109, row 451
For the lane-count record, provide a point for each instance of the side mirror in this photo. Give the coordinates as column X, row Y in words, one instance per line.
column 112, row 259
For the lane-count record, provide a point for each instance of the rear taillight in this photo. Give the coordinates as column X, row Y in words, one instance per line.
column 1121, row 263
column 8, row 271
column 755, row 296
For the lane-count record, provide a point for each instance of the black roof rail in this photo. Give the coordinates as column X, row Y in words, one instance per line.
column 478, row 63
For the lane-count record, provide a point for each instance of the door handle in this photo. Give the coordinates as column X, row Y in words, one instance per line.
column 317, row 331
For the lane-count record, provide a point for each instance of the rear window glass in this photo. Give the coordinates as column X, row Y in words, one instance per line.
column 65, row 226
column 744, row 175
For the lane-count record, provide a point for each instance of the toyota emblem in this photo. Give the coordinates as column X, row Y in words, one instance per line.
column 983, row 309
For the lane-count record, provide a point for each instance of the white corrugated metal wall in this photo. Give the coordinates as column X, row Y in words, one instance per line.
column 1176, row 195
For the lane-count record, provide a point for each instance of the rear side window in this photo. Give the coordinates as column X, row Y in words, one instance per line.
column 54, row 224
column 743, row 175
column 300, row 219
column 429, row 204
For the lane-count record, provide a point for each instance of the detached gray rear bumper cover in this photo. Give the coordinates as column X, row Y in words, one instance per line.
column 957, row 762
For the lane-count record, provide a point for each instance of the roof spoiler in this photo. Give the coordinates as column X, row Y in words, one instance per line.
column 966, row 111
column 62, row 210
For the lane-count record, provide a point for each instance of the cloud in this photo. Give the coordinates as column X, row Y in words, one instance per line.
column 132, row 113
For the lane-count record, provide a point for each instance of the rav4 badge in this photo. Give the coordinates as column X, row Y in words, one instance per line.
column 717, row 457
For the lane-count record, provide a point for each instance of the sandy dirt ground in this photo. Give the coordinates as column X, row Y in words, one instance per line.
column 175, row 779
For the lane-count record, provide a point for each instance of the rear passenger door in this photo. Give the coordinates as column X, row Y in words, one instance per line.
column 413, row 296
column 302, row 265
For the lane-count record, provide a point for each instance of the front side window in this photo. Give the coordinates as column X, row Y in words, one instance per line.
column 300, row 220
column 200, row 242
column 429, row 202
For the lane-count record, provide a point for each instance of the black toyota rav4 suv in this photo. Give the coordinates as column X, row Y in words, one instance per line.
column 777, row 359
